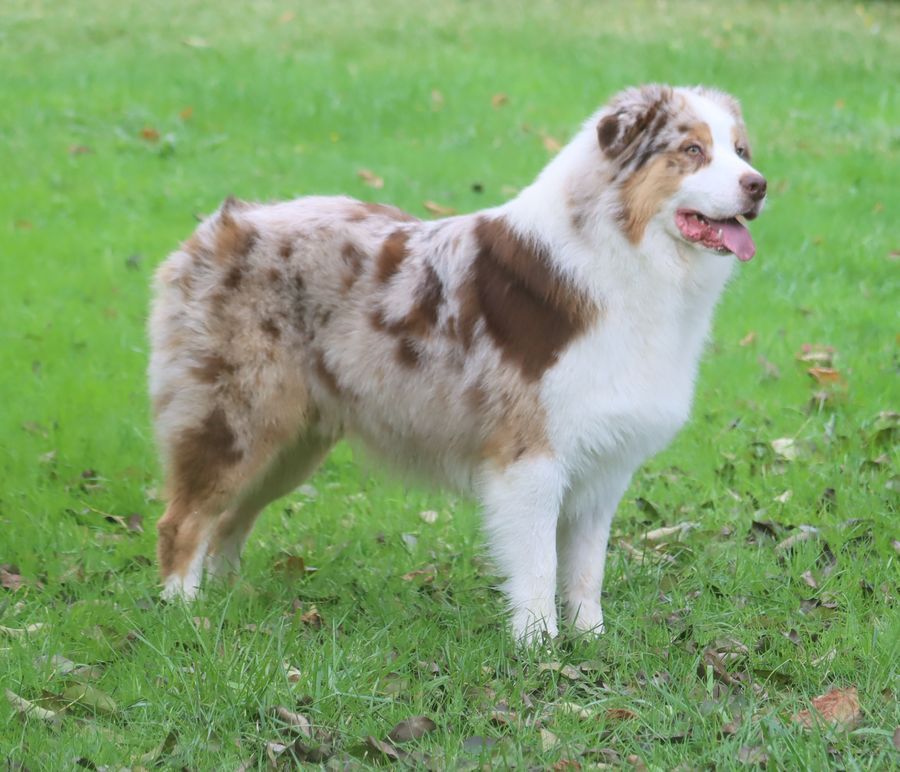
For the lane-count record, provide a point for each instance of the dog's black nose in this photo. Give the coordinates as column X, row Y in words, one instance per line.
column 754, row 185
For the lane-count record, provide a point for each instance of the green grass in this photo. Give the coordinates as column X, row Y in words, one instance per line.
column 270, row 101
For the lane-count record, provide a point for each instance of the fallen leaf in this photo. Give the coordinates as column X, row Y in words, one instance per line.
column 499, row 100
column 809, row 579
column 428, row 573
column 501, row 714
column 786, row 448
column 551, row 144
column 90, row 697
column 827, row 376
column 186, row 113
column 370, row 178
column 20, row 632
column 804, row 533
column 384, row 748
column 59, row 665
column 149, row 134
column 838, row 708
column 817, row 354
column 564, row 670
column 784, row 498
column 291, row 673
column 748, row 339
column 439, row 209
column 30, row 710
column 548, row 739
column 659, row 534
column 80, row 150
column 575, row 710
column 312, row 617
column 289, row 564
column 429, row 516
column 825, row 659
column 296, row 721
column 411, row 729
column 620, row 714
column 10, row 578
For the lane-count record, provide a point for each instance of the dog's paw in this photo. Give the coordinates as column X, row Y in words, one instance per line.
column 586, row 617
column 179, row 588
column 530, row 630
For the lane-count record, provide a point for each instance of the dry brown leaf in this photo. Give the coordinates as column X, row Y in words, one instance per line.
column 296, row 721
column 411, row 729
column 186, row 113
column 291, row 673
column 548, row 739
column 149, row 134
column 312, row 617
column 386, row 749
column 427, row 572
column 748, row 339
column 10, row 578
column 786, row 448
column 803, row 533
column 827, row 376
column 30, row 710
column 620, row 714
column 20, row 632
column 439, row 209
column 660, row 534
column 499, row 100
column 838, row 708
column 575, row 710
column 809, row 579
column 551, row 144
column 817, row 354
column 80, row 150
column 370, row 178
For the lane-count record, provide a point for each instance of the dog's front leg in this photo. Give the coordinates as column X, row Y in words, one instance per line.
column 583, row 537
column 521, row 507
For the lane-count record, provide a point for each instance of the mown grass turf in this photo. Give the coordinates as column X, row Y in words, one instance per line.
column 122, row 121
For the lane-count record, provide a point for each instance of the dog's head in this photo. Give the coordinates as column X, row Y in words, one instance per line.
column 681, row 161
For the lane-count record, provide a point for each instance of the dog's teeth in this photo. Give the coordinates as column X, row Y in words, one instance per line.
column 741, row 219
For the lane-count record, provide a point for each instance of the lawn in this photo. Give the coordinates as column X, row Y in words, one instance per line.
column 365, row 602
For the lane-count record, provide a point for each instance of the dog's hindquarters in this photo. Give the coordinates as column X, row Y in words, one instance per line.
column 233, row 421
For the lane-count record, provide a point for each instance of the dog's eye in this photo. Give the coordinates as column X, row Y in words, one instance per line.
column 693, row 150
column 741, row 151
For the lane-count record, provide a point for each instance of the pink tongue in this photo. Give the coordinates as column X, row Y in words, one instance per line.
column 736, row 238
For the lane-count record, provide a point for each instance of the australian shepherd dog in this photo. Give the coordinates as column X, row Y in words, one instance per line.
column 533, row 354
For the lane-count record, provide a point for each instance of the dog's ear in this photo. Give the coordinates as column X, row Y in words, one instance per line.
column 631, row 113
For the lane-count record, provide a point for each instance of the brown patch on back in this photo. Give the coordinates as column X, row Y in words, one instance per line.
column 286, row 250
column 233, row 239
column 354, row 259
column 530, row 311
column 201, row 455
column 271, row 329
column 363, row 210
column 422, row 316
column 393, row 251
column 408, row 353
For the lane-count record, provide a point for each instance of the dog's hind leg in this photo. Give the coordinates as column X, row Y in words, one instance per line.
column 289, row 469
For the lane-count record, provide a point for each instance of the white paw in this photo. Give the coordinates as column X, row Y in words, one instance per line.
column 530, row 628
column 179, row 588
column 586, row 616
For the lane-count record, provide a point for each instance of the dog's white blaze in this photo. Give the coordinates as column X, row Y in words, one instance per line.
column 715, row 190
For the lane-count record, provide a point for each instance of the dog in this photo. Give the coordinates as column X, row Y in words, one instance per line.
column 533, row 354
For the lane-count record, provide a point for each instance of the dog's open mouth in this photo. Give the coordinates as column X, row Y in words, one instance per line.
column 721, row 235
